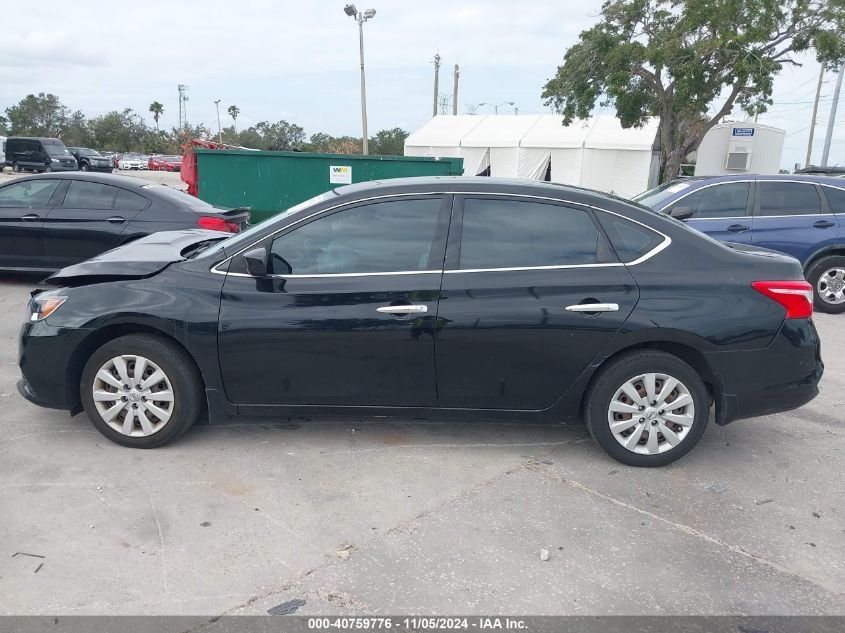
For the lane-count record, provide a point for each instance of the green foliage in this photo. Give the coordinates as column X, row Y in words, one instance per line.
column 125, row 130
column 41, row 115
column 157, row 109
column 389, row 142
column 673, row 58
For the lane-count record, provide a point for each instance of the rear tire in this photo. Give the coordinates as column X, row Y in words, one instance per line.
column 623, row 424
column 167, row 404
column 827, row 277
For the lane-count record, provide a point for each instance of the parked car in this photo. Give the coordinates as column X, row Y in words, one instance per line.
column 90, row 159
column 2, row 153
column 132, row 161
column 38, row 154
column 431, row 296
column 50, row 221
column 155, row 163
column 172, row 163
column 803, row 216
column 144, row 162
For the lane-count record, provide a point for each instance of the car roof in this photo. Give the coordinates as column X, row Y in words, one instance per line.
column 477, row 184
column 817, row 178
column 106, row 179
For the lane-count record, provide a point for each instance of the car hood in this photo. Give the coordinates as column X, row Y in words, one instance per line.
column 141, row 258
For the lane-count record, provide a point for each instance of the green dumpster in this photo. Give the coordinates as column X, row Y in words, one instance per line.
column 270, row 182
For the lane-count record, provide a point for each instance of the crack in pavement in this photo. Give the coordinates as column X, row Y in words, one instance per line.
column 818, row 582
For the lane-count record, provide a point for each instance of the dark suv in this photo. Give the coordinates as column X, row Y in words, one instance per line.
column 803, row 216
column 38, row 154
column 90, row 159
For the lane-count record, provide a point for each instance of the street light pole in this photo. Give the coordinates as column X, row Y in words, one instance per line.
column 219, row 129
column 361, row 17
column 496, row 106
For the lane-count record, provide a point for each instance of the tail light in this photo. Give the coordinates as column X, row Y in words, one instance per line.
column 795, row 296
column 218, row 224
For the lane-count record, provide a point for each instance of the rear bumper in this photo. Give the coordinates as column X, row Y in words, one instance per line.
column 783, row 376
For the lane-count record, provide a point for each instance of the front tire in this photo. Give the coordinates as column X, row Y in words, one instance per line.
column 141, row 390
column 647, row 408
column 827, row 277
column 84, row 167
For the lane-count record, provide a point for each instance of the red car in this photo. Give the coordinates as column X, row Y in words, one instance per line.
column 172, row 163
column 155, row 163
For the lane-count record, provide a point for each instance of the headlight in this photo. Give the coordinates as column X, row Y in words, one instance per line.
column 41, row 308
column 54, row 160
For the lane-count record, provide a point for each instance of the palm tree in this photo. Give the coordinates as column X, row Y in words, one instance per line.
column 234, row 111
column 157, row 109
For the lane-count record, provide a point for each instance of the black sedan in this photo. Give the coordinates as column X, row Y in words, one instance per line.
column 431, row 296
column 50, row 221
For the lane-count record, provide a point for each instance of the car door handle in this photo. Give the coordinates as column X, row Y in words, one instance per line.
column 403, row 309
column 824, row 224
column 116, row 219
column 737, row 228
column 31, row 217
column 593, row 307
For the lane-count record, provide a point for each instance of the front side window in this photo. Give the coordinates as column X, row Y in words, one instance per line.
column 28, row 194
column 382, row 237
column 518, row 234
column 89, row 195
column 788, row 198
column 729, row 200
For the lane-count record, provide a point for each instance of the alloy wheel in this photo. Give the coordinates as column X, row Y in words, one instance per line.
column 651, row 413
column 133, row 395
column 831, row 286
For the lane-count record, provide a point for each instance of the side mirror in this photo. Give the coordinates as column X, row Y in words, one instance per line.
column 681, row 213
column 256, row 262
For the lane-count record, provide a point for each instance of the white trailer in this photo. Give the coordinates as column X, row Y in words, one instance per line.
column 740, row 148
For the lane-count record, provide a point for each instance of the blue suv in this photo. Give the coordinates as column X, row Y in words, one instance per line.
column 803, row 216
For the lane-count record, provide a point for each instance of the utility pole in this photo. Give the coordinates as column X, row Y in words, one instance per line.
column 829, row 136
column 813, row 119
column 183, row 105
column 444, row 103
column 457, row 74
column 219, row 129
column 436, row 83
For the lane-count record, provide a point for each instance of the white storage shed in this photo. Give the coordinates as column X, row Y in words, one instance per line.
column 740, row 148
column 596, row 153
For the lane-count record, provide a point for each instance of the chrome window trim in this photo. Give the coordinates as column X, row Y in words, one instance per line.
column 654, row 251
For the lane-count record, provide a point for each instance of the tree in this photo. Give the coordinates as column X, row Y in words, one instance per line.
column 157, row 109
column 234, row 111
column 41, row 115
column 389, row 142
column 75, row 131
column 328, row 144
column 4, row 126
column 120, row 131
column 673, row 59
column 277, row 136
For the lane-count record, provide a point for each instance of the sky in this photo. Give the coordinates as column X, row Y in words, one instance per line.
column 298, row 61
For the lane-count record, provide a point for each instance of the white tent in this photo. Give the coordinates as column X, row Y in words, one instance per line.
column 596, row 153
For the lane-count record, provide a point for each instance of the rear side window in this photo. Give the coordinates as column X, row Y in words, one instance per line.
column 835, row 198
column 129, row 200
column 517, row 234
column 787, row 198
column 89, row 195
column 630, row 240
column 728, row 200
column 28, row 194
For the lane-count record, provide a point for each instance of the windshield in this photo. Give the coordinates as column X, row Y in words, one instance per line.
column 88, row 152
column 54, row 149
column 654, row 197
column 244, row 237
